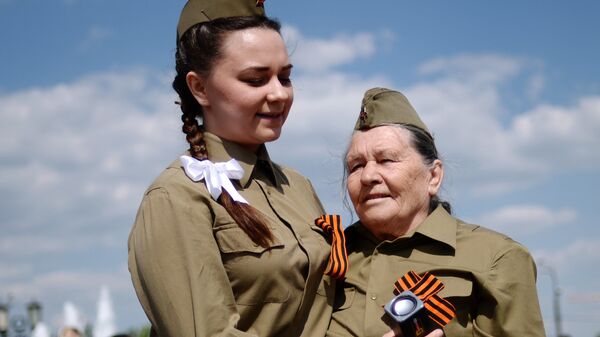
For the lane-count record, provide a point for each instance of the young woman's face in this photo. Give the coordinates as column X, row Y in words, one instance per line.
column 248, row 94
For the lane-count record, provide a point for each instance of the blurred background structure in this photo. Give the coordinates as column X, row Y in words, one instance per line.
column 19, row 322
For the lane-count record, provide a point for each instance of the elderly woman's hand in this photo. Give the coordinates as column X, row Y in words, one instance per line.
column 434, row 333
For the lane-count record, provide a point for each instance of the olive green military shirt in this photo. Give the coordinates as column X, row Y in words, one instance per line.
column 196, row 273
column 488, row 277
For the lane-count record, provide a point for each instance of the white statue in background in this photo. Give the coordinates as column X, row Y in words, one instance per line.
column 105, row 315
column 73, row 322
column 40, row 330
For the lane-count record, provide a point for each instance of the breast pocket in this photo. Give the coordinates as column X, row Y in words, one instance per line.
column 256, row 273
column 459, row 291
column 344, row 298
column 232, row 239
column 455, row 286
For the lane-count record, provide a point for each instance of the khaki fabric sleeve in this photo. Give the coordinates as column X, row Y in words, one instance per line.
column 321, row 310
column 316, row 197
column 509, row 303
column 177, row 271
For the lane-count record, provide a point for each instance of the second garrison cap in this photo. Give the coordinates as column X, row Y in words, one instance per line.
column 381, row 106
column 198, row 11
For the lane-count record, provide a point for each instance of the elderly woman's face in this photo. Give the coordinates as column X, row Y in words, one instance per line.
column 389, row 184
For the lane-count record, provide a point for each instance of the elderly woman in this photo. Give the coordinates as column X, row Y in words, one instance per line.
column 394, row 175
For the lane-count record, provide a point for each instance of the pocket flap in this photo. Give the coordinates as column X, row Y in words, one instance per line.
column 455, row 286
column 235, row 240
column 344, row 298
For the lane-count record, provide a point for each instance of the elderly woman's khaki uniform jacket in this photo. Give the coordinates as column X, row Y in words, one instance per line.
column 488, row 277
column 196, row 273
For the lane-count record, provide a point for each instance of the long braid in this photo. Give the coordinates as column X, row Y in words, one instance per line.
column 196, row 51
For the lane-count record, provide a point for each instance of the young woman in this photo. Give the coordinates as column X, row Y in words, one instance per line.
column 224, row 243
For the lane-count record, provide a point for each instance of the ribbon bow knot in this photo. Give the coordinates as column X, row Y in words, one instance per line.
column 217, row 176
column 426, row 288
column 338, row 259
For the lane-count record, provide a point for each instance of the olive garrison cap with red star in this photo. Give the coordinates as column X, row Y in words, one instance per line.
column 381, row 106
column 198, row 11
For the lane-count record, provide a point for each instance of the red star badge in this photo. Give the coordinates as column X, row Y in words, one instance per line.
column 362, row 116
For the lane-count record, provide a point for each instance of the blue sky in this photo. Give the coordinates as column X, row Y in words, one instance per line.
column 510, row 89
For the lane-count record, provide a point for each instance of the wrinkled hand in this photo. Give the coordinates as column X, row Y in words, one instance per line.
column 434, row 333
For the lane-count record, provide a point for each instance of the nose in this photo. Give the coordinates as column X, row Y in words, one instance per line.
column 277, row 91
column 370, row 175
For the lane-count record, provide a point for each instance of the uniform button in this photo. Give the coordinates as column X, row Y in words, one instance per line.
column 373, row 297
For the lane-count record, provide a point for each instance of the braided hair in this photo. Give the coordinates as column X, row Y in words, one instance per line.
column 197, row 50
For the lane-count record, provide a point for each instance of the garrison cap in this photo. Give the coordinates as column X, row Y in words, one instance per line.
column 197, row 11
column 381, row 106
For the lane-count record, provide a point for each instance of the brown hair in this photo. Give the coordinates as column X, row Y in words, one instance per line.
column 197, row 50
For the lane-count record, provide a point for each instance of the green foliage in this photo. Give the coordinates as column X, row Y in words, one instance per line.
column 145, row 332
column 142, row 332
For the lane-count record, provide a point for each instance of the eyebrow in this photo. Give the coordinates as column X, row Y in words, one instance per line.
column 265, row 69
column 352, row 157
column 377, row 152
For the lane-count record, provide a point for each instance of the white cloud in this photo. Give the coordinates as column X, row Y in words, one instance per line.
column 485, row 68
column 520, row 220
column 492, row 148
column 80, row 154
column 94, row 36
column 577, row 255
column 535, row 86
column 559, row 138
column 323, row 54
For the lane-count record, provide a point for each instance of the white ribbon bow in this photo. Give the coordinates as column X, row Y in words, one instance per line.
column 216, row 175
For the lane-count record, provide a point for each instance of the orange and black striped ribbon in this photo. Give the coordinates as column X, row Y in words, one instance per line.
column 338, row 260
column 426, row 287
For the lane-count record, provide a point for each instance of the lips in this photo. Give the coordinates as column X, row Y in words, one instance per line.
column 374, row 196
column 269, row 115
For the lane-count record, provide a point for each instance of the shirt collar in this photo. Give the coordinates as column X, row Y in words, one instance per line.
column 222, row 150
column 358, row 229
column 439, row 226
